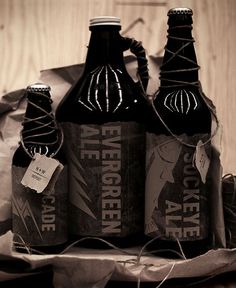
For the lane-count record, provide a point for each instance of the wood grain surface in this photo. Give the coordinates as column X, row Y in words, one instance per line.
column 42, row 34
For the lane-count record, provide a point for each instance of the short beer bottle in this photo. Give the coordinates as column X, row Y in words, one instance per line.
column 39, row 196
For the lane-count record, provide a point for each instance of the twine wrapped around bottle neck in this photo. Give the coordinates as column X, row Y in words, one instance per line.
column 180, row 83
column 178, row 54
column 28, row 136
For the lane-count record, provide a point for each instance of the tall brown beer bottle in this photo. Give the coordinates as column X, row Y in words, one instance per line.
column 178, row 143
column 103, row 120
column 39, row 198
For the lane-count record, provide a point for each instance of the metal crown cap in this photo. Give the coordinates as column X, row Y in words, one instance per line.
column 180, row 11
column 38, row 87
column 104, row 20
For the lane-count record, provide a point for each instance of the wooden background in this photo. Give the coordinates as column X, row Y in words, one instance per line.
column 42, row 34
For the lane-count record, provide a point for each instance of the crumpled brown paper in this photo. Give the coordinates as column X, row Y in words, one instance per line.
column 12, row 109
column 87, row 267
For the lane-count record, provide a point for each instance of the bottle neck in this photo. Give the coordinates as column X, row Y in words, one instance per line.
column 105, row 47
column 39, row 127
column 179, row 68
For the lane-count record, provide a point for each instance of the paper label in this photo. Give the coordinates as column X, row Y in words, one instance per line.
column 41, row 170
column 39, row 218
column 201, row 160
column 176, row 198
column 107, row 178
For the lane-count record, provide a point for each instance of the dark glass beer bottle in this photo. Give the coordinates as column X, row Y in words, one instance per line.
column 39, row 214
column 103, row 120
column 177, row 205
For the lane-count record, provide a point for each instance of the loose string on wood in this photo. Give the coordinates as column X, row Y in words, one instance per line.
column 28, row 136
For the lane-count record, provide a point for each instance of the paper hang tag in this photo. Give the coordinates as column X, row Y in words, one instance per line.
column 201, row 160
column 42, row 171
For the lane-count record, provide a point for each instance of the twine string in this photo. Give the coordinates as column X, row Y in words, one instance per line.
column 27, row 138
column 145, row 267
column 177, row 54
column 167, row 275
column 133, row 261
column 143, row 76
column 138, row 50
column 181, row 83
column 136, row 261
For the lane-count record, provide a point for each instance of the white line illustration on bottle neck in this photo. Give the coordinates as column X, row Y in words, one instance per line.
column 181, row 101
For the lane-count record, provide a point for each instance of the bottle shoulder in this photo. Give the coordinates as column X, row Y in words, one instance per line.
column 104, row 94
column 181, row 100
column 182, row 111
column 80, row 114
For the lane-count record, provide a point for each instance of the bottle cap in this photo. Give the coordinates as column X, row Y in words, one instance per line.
column 38, row 87
column 180, row 11
column 104, row 20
